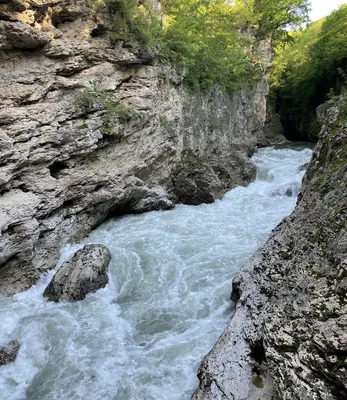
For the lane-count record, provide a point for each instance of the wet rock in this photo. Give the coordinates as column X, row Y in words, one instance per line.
column 155, row 199
column 235, row 292
column 272, row 133
column 196, row 184
column 85, row 273
column 303, row 167
column 290, row 191
column 197, row 181
column 9, row 352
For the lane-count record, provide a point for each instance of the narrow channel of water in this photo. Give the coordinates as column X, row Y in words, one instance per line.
column 142, row 337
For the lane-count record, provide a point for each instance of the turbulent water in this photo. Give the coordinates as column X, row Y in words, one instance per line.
column 142, row 336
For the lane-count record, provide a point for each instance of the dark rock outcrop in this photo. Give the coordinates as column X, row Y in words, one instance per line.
column 155, row 199
column 9, row 353
column 303, row 167
column 292, row 307
column 272, row 132
column 16, row 35
column 290, row 190
column 196, row 182
column 85, row 273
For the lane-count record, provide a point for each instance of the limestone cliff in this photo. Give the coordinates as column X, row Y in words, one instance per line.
column 288, row 337
column 91, row 129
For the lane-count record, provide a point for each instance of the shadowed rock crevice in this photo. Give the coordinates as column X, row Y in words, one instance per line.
column 56, row 168
column 258, row 351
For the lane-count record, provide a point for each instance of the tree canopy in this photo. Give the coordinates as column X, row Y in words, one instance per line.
column 311, row 67
column 214, row 41
column 275, row 17
column 203, row 37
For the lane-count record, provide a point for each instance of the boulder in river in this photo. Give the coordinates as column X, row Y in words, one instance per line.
column 85, row 273
column 9, row 352
column 291, row 190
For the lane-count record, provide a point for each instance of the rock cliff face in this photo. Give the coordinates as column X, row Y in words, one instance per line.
column 91, row 129
column 273, row 132
column 288, row 337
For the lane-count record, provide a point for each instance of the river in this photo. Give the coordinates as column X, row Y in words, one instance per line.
column 167, row 302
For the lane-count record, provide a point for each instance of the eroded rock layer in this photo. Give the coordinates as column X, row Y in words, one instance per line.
column 288, row 338
column 91, row 129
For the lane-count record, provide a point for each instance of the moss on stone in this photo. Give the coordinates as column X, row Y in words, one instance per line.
column 88, row 100
column 83, row 126
column 106, row 131
column 257, row 381
column 342, row 117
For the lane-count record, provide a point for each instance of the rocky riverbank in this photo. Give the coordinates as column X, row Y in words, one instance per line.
column 287, row 339
column 90, row 129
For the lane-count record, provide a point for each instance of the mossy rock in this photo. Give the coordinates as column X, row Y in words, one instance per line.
column 258, row 382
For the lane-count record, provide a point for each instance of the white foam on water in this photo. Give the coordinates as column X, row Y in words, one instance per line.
column 143, row 335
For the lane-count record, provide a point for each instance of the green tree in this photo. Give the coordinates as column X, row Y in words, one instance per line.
column 311, row 67
column 275, row 17
column 214, row 39
column 204, row 37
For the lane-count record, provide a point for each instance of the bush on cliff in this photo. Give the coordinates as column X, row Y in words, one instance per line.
column 133, row 21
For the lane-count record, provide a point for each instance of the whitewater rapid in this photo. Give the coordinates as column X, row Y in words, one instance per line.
column 167, row 302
